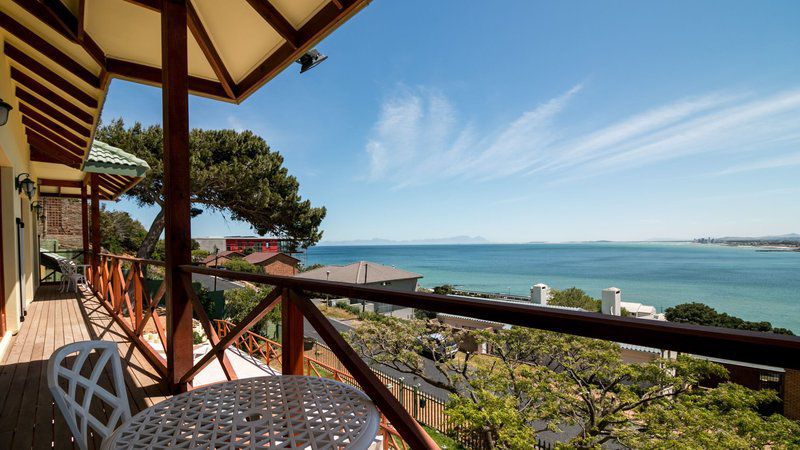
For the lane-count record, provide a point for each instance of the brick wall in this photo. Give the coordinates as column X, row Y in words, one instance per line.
column 280, row 267
column 63, row 221
column 791, row 394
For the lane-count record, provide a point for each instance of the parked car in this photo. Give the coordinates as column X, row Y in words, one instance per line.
column 436, row 347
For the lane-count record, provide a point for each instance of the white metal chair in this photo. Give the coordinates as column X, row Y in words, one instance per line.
column 64, row 277
column 70, row 274
column 76, row 407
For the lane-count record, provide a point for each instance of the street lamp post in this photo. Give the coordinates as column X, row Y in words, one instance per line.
column 216, row 265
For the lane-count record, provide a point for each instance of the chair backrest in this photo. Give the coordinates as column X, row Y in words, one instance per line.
column 75, row 386
column 67, row 267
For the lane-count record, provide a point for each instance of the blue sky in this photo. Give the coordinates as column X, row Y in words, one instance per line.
column 537, row 121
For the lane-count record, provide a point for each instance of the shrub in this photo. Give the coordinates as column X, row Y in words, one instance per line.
column 240, row 265
column 574, row 297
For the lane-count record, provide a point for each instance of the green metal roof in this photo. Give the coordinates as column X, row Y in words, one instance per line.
column 104, row 158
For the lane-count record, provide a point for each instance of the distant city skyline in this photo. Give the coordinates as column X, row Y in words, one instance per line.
column 534, row 122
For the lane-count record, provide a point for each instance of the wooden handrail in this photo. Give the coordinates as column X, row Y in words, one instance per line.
column 144, row 261
column 738, row 345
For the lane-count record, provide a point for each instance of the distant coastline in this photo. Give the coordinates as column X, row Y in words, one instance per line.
column 783, row 243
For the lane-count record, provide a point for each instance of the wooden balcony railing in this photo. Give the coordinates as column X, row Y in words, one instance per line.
column 132, row 307
column 127, row 299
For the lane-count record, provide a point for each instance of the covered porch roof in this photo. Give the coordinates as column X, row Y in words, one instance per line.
column 117, row 170
column 63, row 54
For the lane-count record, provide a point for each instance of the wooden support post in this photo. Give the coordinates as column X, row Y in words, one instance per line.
column 292, row 336
column 87, row 259
column 177, row 230
column 95, row 234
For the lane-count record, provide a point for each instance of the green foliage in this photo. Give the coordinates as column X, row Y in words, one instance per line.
column 730, row 410
column 702, row 314
column 199, row 255
column 198, row 337
column 311, row 267
column 224, row 165
column 352, row 309
column 574, row 297
column 240, row 265
column 239, row 303
column 445, row 289
column 160, row 251
column 119, row 232
column 195, row 245
column 421, row 314
column 248, row 251
column 539, row 380
column 445, row 442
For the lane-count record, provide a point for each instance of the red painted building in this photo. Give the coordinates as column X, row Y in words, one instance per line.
column 242, row 243
column 258, row 244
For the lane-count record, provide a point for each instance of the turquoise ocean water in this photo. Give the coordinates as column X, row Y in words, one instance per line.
column 740, row 281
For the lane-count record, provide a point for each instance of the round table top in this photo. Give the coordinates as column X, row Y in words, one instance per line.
column 278, row 412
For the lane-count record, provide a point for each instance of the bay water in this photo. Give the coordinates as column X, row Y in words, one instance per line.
column 754, row 285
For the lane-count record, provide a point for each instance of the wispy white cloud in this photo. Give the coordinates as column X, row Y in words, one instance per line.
column 420, row 138
column 763, row 164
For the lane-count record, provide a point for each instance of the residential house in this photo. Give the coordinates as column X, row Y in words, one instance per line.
column 219, row 259
column 369, row 274
column 275, row 263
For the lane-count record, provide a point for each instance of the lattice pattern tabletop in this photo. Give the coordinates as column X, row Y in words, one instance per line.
column 280, row 412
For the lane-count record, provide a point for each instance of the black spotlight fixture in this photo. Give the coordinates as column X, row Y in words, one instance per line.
column 5, row 108
column 310, row 59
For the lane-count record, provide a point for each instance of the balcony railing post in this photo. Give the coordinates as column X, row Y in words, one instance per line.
column 116, row 286
column 177, row 187
column 136, row 270
column 87, row 259
column 292, row 336
column 95, row 234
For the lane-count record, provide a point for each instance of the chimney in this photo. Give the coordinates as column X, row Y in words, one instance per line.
column 540, row 294
column 611, row 301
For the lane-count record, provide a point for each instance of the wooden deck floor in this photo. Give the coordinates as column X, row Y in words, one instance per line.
column 28, row 416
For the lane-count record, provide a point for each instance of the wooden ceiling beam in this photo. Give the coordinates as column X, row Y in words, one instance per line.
column 29, row 112
column 58, row 116
column 51, row 151
column 152, row 5
column 47, row 49
column 46, row 132
column 59, row 183
column 46, row 15
column 58, row 17
column 110, row 181
column 43, row 91
column 53, row 78
column 39, row 155
column 273, row 17
column 325, row 21
column 152, row 75
column 210, row 52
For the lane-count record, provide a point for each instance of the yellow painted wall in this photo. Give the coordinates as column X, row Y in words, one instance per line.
column 14, row 160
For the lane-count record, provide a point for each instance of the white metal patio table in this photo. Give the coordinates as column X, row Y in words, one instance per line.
column 277, row 412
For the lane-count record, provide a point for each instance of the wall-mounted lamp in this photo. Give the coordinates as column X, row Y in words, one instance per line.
column 38, row 209
column 5, row 108
column 27, row 185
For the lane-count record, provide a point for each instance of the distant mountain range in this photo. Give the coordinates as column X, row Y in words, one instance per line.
column 432, row 241
column 794, row 237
